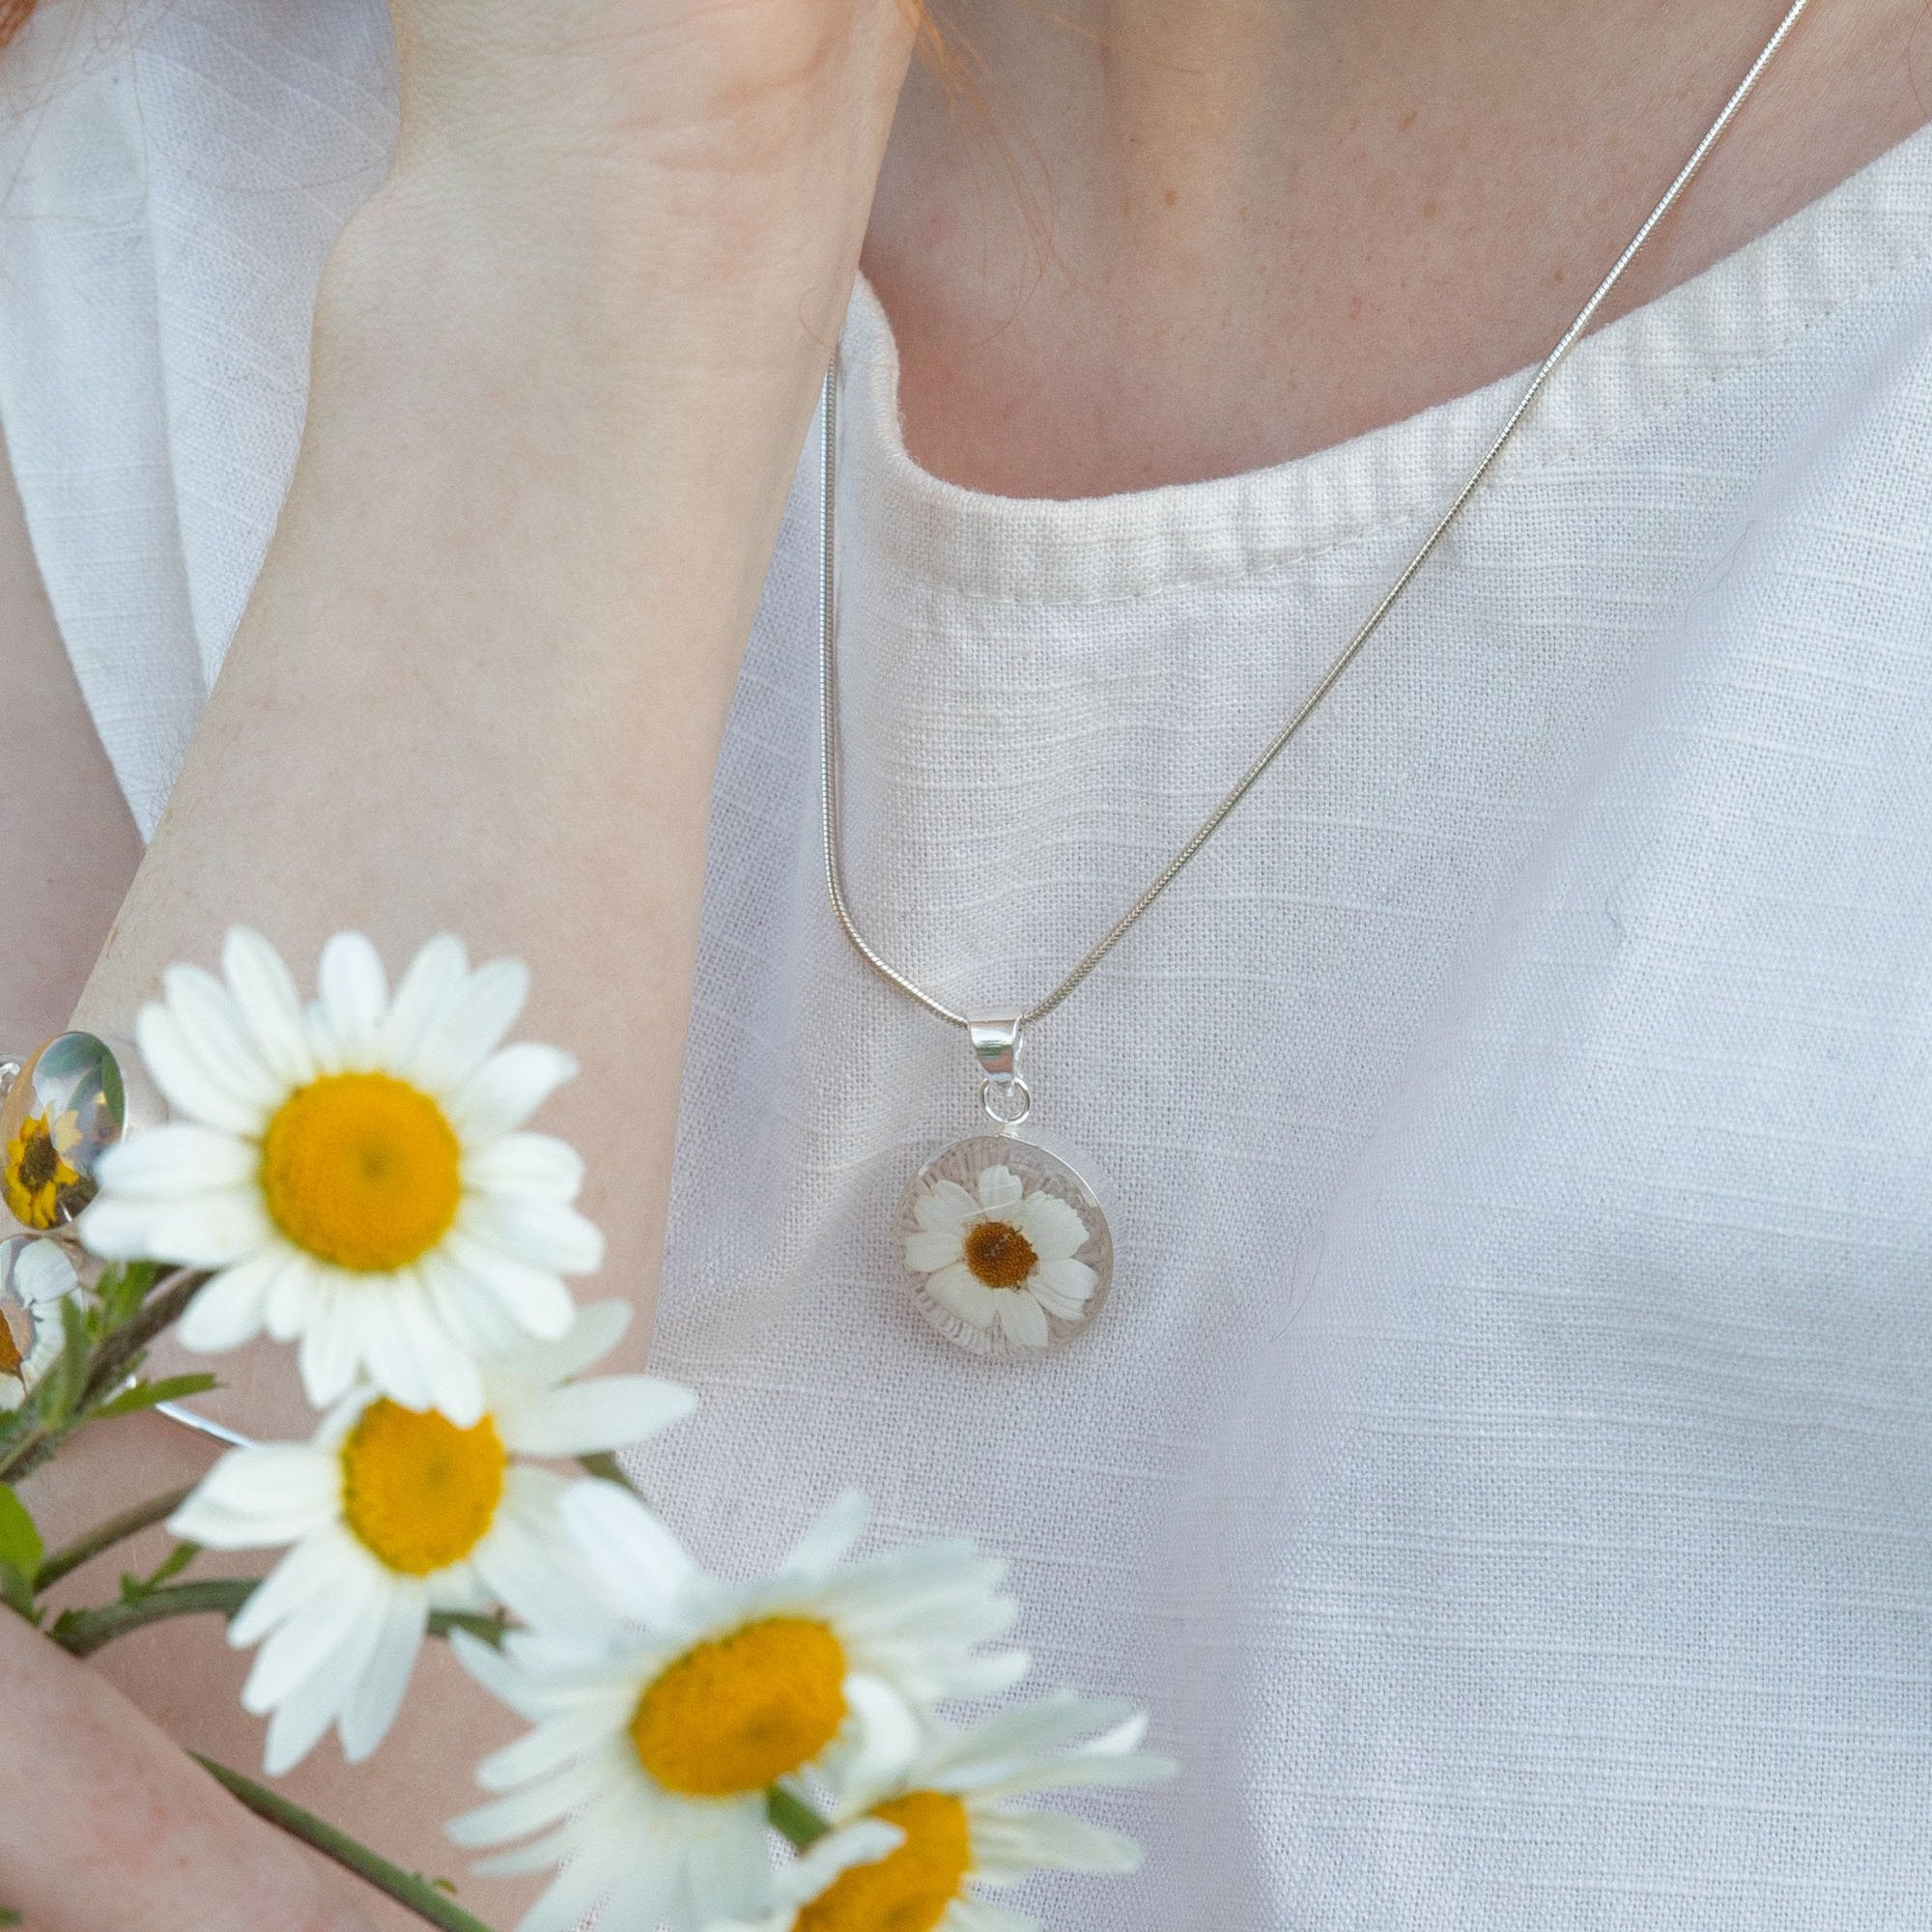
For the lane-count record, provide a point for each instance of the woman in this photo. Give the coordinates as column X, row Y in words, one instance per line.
column 1501, row 1462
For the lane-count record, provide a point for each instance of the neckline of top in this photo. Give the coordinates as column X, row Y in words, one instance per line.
column 1095, row 550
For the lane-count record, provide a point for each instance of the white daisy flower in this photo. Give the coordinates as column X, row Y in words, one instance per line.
column 353, row 1173
column 391, row 1512
column 667, row 1711
column 959, row 1830
column 35, row 1278
column 999, row 1256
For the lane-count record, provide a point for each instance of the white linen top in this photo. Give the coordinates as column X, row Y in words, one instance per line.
column 1504, row 1465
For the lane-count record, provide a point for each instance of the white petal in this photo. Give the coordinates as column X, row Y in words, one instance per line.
column 1046, row 1839
column 571, row 1897
column 958, row 1289
column 178, row 1158
column 1050, row 1723
column 944, row 1205
column 829, row 1540
column 227, row 1309
column 269, row 1005
column 599, row 1326
column 890, row 1732
column 284, row 1488
column 314, row 1566
column 372, row 1706
column 354, row 994
column 530, row 1810
column 1055, row 1230
column 525, row 1562
column 1063, row 1288
column 730, row 1870
column 43, row 1274
column 311, row 1635
column 206, row 1231
column 999, row 1188
column 509, row 1087
column 541, row 1233
column 527, row 1293
column 470, row 1311
column 553, row 1744
column 1023, row 1320
column 213, row 1029
column 331, row 1351
column 981, row 1914
column 433, row 979
column 193, row 1088
column 933, row 1248
column 300, row 1722
column 537, row 1166
column 606, row 1412
column 638, row 1564
column 473, row 1024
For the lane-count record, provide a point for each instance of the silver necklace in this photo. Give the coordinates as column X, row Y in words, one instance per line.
column 1005, row 1244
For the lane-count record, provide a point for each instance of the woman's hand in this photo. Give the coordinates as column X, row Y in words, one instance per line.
column 107, row 1827
column 718, row 157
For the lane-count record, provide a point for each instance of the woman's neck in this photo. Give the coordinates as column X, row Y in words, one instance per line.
column 1154, row 241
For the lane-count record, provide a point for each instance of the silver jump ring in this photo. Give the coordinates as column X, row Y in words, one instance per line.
column 994, row 1093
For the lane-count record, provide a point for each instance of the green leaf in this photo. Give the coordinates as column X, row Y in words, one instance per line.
column 20, row 1543
column 8, row 1916
column 174, row 1563
column 17, row 1592
column 123, row 1289
column 145, row 1395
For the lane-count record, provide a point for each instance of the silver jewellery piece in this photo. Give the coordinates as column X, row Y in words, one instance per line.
column 976, row 1278
column 62, row 1106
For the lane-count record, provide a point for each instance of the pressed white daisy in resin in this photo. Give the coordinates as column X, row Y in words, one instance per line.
column 391, row 1512
column 961, row 1833
column 1006, row 1246
column 36, row 1277
column 667, row 1709
column 353, row 1171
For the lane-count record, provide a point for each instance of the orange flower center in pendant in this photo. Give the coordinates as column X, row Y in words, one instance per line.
column 999, row 1253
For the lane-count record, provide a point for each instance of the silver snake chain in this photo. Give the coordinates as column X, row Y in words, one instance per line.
column 828, row 660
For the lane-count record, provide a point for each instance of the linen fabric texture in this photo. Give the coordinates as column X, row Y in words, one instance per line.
column 1504, row 1465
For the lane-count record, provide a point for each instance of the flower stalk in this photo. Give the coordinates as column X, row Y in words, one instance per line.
column 418, row 1894
column 105, row 1535
column 82, row 1632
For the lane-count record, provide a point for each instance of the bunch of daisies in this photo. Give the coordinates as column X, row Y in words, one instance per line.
column 355, row 1177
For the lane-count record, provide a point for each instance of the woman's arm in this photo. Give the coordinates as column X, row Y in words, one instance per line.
column 562, row 368
column 68, row 846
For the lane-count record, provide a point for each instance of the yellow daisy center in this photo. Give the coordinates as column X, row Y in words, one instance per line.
column 40, row 1181
column 999, row 1253
column 735, row 1712
column 361, row 1170
column 419, row 1492
column 907, row 1890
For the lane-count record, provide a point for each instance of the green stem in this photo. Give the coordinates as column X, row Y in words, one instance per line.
column 108, row 1365
column 82, row 1633
column 105, row 1535
column 405, row 1888
column 791, row 1817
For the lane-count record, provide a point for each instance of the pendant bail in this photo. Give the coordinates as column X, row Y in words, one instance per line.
column 996, row 1046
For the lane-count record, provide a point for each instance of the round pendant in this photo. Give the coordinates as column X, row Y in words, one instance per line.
column 1005, row 1248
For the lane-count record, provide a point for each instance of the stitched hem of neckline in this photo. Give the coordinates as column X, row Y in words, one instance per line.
column 1739, row 311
